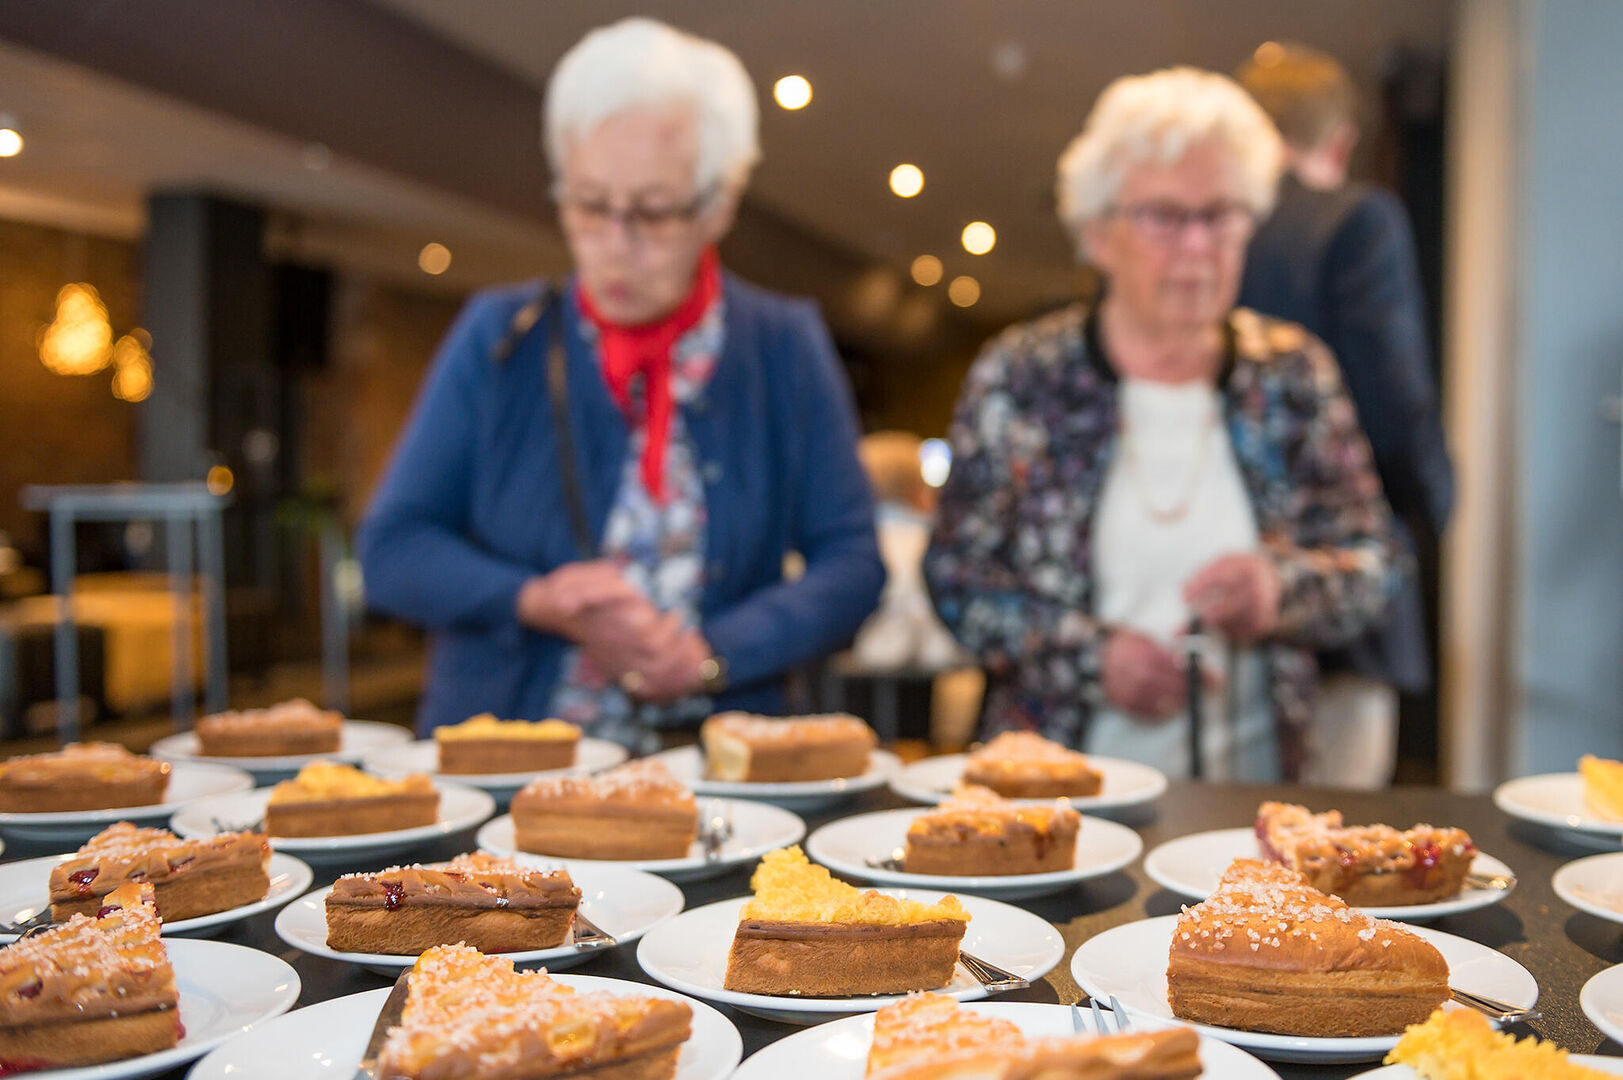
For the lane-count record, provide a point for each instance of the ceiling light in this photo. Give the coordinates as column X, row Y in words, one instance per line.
column 792, row 92
column 979, row 237
column 907, row 180
column 434, row 258
column 935, row 461
column 11, row 143
column 964, row 291
column 926, row 269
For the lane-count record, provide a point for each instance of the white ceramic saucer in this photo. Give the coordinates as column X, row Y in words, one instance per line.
column 188, row 783
column 686, row 763
column 1126, row 783
column 357, row 738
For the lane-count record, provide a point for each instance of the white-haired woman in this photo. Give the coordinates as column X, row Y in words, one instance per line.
column 1124, row 469
column 591, row 504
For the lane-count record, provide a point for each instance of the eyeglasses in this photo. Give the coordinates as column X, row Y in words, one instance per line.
column 590, row 216
column 1165, row 222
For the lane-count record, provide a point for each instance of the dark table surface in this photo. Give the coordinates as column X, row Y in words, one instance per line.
column 1561, row 946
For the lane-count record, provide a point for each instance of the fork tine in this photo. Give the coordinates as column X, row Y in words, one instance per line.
column 1098, row 1017
column 1077, row 1024
column 1122, row 1023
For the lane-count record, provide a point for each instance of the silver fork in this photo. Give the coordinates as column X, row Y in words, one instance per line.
column 1500, row 1011
column 1498, row 882
column 716, row 830
column 586, row 934
column 1118, row 1016
column 990, row 976
column 894, row 861
column 32, row 923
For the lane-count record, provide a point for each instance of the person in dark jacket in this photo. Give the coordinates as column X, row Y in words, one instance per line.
column 611, row 552
column 1338, row 257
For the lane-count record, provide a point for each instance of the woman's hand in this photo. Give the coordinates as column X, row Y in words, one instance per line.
column 1142, row 676
column 1237, row 595
column 558, row 602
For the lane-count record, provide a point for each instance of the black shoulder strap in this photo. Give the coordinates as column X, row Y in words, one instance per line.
column 524, row 320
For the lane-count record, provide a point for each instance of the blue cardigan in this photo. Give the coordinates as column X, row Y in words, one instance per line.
column 471, row 506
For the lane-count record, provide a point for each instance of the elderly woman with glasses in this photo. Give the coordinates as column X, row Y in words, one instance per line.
column 591, row 505
column 1160, row 475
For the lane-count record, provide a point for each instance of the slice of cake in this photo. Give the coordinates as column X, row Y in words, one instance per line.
column 1365, row 865
column 81, row 776
column 637, row 811
column 290, row 729
column 805, row 933
column 493, row 904
column 484, row 744
column 327, row 799
column 977, row 833
column 930, row 1037
column 1266, row 952
column 1462, row 1045
column 472, row 1017
column 98, row 988
column 1024, row 765
column 1603, row 786
column 190, row 877
column 767, row 749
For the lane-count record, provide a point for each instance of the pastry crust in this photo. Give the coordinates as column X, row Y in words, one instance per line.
column 804, row 933
column 978, row 834
column 289, row 729
column 483, row 744
column 1366, row 865
column 473, row 1016
column 326, row 799
column 494, row 905
column 1024, row 765
column 189, row 877
column 742, row 747
column 637, row 811
column 81, row 776
column 1265, row 952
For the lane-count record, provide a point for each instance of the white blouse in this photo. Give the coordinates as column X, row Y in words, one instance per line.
column 1173, row 500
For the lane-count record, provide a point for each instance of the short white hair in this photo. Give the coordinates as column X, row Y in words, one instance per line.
column 643, row 62
column 1158, row 117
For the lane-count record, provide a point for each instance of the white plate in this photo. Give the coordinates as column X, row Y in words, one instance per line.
column 355, row 739
column 1601, row 999
column 1611, row 1066
column 757, row 829
column 1102, row 847
column 839, row 1050
column 624, row 903
column 1593, row 884
column 1126, row 783
column 689, row 953
column 23, row 888
column 1557, row 801
column 187, row 784
column 1192, row 866
column 686, row 763
column 326, row 1040
column 1131, row 962
column 591, row 755
column 224, row 991
column 460, row 808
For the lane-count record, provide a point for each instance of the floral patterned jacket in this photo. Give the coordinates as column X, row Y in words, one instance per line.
column 1010, row 566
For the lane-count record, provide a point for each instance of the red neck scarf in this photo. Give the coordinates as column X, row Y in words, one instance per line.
column 646, row 350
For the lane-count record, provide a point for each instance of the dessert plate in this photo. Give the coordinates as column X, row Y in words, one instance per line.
column 423, row 756
column 838, row 1050
column 686, row 763
column 225, row 990
column 1611, row 1066
column 1601, row 999
column 1131, row 962
column 1593, row 884
column 188, row 782
column 1192, row 866
column 847, row 845
column 326, row 1041
column 1557, row 800
column 460, row 808
column 623, row 903
column 689, row 953
column 1126, row 783
column 357, row 738
column 757, row 828
column 23, row 888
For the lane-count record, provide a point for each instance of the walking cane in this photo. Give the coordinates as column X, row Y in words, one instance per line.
column 1191, row 653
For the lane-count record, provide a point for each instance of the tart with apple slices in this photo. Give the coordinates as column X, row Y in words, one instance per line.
column 328, row 799
column 484, row 744
column 1024, row 765
column 1266, row 952
column 637, row 811
column 976, row 834
column 1366, row 865
column 190, row 878
column 472, row 1017
column 743, row 747
column 81, row 776
column 289, row 729
column 492, row 904
column 97, row 988
column 804, row 933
